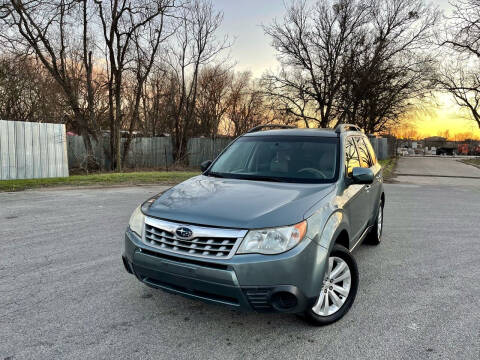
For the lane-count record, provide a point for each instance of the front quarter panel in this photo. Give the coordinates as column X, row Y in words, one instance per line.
column 333, row 222
column 333, row 226
column 327, row 221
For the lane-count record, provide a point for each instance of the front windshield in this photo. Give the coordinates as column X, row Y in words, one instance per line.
column 307, row 159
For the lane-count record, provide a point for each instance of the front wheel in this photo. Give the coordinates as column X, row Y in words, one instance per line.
column 338, row 291
column 375, row 235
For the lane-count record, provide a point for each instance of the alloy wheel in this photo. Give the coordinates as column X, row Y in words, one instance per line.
column 335, row 289
column 379, row 222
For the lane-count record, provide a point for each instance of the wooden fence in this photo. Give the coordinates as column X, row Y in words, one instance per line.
column 32, row 150
column 143, row 153
column 39, row 150
column 201, row 149
column 383, row 147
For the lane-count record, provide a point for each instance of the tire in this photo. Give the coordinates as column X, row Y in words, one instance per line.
column 319, row 314
column 375, row 235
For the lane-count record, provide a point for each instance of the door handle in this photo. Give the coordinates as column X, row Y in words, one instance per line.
column 368, row 187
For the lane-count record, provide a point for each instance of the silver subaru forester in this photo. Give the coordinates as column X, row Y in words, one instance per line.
column 270, row 225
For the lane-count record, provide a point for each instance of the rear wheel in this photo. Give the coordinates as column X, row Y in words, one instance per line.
column 338, row 290
column 375, row 235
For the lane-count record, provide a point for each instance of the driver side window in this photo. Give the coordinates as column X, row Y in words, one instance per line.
column 351, row 156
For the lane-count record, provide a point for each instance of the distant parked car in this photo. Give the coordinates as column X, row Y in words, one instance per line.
column 270, row 225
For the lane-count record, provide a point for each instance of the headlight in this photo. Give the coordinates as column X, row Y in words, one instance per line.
column 136, row 221
column 273, row 241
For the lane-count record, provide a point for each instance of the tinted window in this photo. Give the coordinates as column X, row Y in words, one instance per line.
column 280, row 158
column 365, row 160
column 351, row 156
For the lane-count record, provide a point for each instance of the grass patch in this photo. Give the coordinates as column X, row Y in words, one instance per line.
column 106, row 179
column 474, row 162
column 143, row 178
column 388, row 167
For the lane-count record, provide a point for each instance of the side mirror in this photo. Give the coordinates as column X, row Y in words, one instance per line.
column 205, row 165
column 362, row 176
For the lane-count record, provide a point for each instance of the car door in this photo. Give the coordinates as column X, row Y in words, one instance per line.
column 376, row 188
column 370, row 190
column 355, row 194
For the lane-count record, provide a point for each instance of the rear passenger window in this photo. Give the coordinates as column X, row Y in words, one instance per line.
column 365, row 159
column 371, row 151
column 351, row 156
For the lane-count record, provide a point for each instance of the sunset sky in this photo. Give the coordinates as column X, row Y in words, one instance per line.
column 252, row 51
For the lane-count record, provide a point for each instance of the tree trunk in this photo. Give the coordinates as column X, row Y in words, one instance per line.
column 118, row 120
column 112, row 125
column 90, row 161
column 133, row 122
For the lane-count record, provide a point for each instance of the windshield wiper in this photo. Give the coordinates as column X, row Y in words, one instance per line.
column 245, row 177
column 263, row 178
column 215, row 174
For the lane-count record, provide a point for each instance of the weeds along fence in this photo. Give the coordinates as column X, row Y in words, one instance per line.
column 32, row 150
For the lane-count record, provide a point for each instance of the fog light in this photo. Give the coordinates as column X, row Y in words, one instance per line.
column 283, row 300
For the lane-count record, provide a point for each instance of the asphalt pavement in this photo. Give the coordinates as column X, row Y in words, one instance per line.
column 65, row 295
column 440, row 170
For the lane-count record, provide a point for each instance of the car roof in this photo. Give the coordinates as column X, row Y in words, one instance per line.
column 299, row 132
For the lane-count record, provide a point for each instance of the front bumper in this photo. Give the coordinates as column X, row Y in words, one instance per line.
column 288, row 282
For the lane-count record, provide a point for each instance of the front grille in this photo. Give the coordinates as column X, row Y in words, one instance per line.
column 205, row 242
column 258, row 298
column 197, row 246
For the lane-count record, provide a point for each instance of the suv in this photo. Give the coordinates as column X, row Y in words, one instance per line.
column 270, row 225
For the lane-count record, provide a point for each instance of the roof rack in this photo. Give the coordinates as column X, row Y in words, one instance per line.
column 272, row 126
column 347, row 127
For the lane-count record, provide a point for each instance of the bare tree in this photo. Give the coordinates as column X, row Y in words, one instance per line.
column 122, row 23
column 463, row 37
column 48, row 30
column 194, row 46
column 463, row 83
column 147, row 42
column 312, row 43
column 212, row 104
column 28, row 92
column 158, row 102
column 359, row 61
column 389, row 71
column 246, row 106
column 290, row 94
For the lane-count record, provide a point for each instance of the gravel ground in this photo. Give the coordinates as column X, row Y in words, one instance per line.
column 65, row 294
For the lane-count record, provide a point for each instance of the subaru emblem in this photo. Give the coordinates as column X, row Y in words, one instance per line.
column 184, row 232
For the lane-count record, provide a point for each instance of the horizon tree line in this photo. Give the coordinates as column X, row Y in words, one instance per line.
column 161, row 67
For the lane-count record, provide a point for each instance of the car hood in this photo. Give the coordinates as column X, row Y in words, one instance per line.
column 233, row 203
